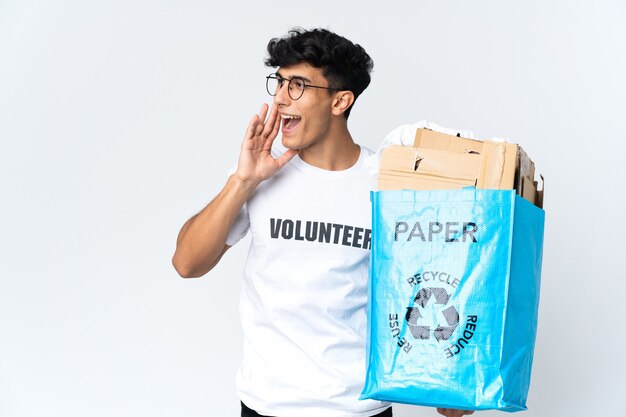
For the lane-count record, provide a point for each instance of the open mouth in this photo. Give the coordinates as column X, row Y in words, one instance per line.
column 289, row 121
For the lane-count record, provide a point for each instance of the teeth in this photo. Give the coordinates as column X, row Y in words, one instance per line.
column 289, row 116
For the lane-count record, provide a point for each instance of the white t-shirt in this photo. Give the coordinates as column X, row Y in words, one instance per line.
column 304, row 293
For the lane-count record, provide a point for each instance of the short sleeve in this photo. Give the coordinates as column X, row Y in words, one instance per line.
column 240, row 227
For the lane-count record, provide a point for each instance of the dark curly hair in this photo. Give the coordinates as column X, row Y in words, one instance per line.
column 344, row 64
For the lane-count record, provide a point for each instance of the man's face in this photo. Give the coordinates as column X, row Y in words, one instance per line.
column 305, row 121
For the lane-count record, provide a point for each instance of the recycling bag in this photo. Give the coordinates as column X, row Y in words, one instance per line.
column 453, row 298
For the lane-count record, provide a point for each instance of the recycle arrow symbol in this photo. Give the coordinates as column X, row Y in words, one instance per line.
column 413, row 315
column 452, row 318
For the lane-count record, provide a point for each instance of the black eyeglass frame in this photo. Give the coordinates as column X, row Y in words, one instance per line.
column 275, row 76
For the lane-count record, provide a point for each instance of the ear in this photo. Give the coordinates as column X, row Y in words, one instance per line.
column 342, row 102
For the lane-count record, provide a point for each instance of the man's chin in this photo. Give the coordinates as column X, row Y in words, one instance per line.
column 290, row 144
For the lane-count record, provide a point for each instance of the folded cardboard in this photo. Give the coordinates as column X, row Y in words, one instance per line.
column 497, row 170
column 422, row 168
column 440, row 161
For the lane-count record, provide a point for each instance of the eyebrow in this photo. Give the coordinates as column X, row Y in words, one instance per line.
column 300, row 77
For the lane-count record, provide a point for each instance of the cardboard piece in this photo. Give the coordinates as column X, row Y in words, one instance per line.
column 440, row 161
column 428, row 169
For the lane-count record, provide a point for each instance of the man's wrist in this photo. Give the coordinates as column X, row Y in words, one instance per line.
column 245, row 185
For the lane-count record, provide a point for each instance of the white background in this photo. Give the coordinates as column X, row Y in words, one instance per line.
column 119, row 120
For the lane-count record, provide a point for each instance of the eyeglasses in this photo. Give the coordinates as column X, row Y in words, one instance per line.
column 295, row 86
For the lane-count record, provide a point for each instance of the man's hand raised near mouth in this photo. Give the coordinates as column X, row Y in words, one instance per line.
column 202, row 239
column 256, row 162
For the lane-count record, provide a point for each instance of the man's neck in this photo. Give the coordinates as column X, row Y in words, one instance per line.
column 337, row 152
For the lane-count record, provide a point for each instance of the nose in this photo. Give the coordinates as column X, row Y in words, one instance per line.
column 282, row 95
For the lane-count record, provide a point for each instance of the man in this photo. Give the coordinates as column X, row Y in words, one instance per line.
column 305, row 282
